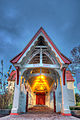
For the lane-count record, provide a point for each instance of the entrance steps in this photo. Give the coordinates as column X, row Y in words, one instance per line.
column 40, row 109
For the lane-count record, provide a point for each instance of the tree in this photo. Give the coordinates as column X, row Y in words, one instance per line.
column 77, row 96
column 75, row 66
column 6, row 97
column 6, row 100
column 3, row 77
column 75, row 58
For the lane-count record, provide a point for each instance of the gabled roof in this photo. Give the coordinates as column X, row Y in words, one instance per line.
column 65, row 59
column 69, row 76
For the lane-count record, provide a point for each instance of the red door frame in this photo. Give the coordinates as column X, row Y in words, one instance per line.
column 39, row 96
column 54, row 101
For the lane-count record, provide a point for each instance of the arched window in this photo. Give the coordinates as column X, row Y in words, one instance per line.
column 41, row 41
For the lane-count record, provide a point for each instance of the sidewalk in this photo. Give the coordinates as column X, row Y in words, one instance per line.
column 39, row 117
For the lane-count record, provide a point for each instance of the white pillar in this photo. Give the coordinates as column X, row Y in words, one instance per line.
column 22, row 99
column 15, row 107
column 58, row 98
column 65, row 98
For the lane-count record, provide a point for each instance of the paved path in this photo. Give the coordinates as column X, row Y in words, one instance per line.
column 39, row 113
column 39, row 117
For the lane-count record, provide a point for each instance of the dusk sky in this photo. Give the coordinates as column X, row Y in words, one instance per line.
column 21, row 19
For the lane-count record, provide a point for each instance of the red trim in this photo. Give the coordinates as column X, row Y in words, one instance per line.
column 66, row 114
column 54, row 101
column 14, row 114
column 27, row 102
column 15, row 58
column 70, row 80
column 17, row 75
column 64, row 71
column 54, row 46
column 65, row 59
column 25, row 87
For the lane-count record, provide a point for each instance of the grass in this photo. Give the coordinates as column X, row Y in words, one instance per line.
column 78, row 104
column 10, row 106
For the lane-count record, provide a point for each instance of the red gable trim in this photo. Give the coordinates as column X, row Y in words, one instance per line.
column 54, row 46
column 15, row 59
column 66, row 59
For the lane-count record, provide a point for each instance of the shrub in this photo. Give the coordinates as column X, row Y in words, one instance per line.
column 75, row 108
column 6, row 100
column 77, row 96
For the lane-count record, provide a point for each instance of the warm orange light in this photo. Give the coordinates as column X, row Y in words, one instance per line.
column 21, row 80
column 42, row 77
column 40, row 83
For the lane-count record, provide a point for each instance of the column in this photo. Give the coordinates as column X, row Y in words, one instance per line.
column 65, row 98
column 58, row 98
column 15, row 108
column 22, row 99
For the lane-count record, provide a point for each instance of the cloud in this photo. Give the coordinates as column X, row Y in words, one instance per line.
column 20, row 20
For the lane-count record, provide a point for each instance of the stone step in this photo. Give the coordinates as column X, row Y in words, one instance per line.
column 40, row 109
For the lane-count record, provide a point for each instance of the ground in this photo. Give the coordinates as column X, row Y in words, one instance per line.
column 39, row 117
column 39, row 113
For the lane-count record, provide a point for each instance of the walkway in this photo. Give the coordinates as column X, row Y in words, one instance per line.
column 39, row 113
column 40, row 109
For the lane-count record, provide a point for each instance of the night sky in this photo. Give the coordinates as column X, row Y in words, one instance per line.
column 21, row 19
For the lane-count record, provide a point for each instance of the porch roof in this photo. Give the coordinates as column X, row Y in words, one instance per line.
column 64, row 58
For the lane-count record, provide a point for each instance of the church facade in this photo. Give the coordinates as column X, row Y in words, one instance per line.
column 41, row 77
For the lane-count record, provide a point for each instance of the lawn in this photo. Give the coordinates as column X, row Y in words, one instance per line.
column 78, row 104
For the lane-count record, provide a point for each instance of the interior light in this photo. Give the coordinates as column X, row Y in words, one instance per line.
column 40, row 83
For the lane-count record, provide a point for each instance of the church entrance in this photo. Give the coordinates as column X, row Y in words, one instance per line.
column 40, row 77
column 40, row 98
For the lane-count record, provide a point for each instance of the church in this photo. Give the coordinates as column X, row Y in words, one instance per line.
column 41, row 77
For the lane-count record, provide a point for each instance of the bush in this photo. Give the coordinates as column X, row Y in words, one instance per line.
column 77, row 96
column 75, row 108
column 10, row 106
column 77, row 103
column 6, row 100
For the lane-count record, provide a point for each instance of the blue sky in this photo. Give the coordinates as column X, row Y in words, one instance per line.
column 20, row 20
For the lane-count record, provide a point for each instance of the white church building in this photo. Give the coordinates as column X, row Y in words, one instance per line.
column 41, row 77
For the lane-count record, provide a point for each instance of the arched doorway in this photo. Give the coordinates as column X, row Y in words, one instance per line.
column 41, row 84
